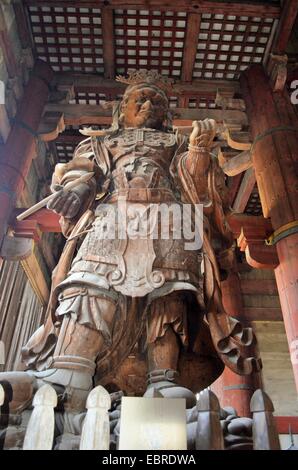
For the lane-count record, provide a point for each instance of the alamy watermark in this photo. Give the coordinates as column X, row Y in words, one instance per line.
column 163, row 221
column 294, row 94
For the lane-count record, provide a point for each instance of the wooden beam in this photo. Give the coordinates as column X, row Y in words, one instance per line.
column 285, row 26
column 262, row 314
column 47, row 220
column 233, row 185
column 96, row 84
column 251, row 8
column 57, row 116
column 107, row 26
column 36, row 278
column 190, row 45
column 257, row 287
column 247, row 184
column 73, row 139
column 235, row 165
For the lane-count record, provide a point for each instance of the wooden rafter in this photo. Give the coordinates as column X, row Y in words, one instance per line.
column 190, row 46
column 57, row 116
column 233, row 185
column 96, row 84
column 203, row 6
column 247, row 184
column 107, row 25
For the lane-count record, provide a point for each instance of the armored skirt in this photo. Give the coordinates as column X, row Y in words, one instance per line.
column 145, row 251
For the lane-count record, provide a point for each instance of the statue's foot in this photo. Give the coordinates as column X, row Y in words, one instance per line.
column 169, row 389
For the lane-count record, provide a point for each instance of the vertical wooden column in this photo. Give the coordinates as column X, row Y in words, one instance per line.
column 19, row 150
column 286, row 275
column 233, row 389
column 274, row 126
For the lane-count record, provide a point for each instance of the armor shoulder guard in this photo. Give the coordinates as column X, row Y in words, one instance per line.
column 84, row 149
column 94, row 149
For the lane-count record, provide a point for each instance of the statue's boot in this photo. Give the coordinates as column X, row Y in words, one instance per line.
column 73, row 365
column 163, row 354
column 163, row 381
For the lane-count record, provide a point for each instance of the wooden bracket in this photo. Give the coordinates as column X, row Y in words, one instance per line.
column 13, row 248
column 251, row 232
column 277, row 70
column 27, row 229
column 51, row 125
column 235, row 165
column 233, row 143
column 257, row 253
column 225, row 101
column 43, row 220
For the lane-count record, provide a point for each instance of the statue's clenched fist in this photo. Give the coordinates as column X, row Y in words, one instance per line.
column 203, row 133
column 68, row 203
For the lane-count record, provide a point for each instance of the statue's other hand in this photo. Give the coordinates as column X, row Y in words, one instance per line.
column 68, row 203
column 203, row 133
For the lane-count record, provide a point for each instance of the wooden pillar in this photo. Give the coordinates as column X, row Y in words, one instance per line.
column 274, row 126
column 19, row 150
column 286, row 275
column 233, row 389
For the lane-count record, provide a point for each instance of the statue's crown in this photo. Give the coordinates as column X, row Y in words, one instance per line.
column 149, row 77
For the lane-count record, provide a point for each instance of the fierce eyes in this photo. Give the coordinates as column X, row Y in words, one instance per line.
column 140, row 100
column 154, row 100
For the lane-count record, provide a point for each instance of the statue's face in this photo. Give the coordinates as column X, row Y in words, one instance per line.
column 145, row 107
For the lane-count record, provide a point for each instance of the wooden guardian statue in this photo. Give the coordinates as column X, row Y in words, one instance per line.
column 130, row 310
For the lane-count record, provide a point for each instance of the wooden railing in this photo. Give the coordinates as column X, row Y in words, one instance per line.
column 95, row 433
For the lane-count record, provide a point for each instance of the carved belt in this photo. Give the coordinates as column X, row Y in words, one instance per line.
column 143, row 195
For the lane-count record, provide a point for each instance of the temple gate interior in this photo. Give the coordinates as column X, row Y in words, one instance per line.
column 233, row 62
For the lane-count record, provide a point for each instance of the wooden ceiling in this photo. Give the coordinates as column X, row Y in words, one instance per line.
column 217, row 43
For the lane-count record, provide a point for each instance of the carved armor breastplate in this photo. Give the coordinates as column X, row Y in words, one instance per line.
column 141, row 160
column 143, row 142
